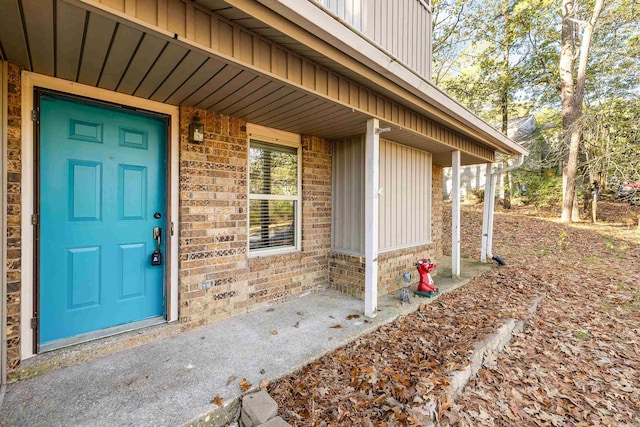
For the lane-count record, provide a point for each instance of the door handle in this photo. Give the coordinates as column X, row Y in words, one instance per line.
column 157, row 236
column 156, row 256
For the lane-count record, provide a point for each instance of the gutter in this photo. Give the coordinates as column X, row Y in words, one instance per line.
column 489, row 206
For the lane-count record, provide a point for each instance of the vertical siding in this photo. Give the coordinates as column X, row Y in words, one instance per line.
column 230, row 38
column 401, row 27
column 405, row 178
column 348, row 195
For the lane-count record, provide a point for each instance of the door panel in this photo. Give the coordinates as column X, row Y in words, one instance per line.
column 102, row 179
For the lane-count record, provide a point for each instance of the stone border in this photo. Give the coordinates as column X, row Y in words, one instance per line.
column 489, row 348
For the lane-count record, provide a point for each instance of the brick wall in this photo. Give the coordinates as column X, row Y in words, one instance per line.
column 14, row 166
column 347, row 272
column 437, row 208
column 393, row 264
column 213, row 225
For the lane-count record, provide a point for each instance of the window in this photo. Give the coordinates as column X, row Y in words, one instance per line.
column 274, row 196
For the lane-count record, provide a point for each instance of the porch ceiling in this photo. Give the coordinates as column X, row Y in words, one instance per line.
column 81, row 46
column 222, row 8
column 68, row 41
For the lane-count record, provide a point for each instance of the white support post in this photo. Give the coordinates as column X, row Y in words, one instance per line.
column 455, row 214
column 486, row 214
column 372, row 153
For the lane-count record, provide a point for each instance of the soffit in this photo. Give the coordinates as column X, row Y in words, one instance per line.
column 85, row 47
column 61, row 39
column 224, row 9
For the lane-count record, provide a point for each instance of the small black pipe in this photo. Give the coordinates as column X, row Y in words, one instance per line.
column 499, row 260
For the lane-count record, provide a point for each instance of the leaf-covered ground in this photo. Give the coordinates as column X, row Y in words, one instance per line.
column 577, row 363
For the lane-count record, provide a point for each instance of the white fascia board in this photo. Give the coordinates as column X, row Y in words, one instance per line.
column 311, row 17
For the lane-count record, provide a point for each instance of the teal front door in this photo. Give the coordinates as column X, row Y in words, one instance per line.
column 102, row 192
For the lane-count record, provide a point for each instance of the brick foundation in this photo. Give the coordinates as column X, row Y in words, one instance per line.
column 395, row 263
column 346, row 273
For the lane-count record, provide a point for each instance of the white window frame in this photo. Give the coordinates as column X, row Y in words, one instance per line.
column 286, row 139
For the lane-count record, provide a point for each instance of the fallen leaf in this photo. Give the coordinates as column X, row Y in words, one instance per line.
column 444, row 404
column 262, row 371
column 404, row 367
column 297, row 325
column 264, row 384
column 217, row 401
column 353, row 316
column 338, row 326
column 231, row 379
column 274, row 332
column 244, row 385
column 300, row 313
column 270, row 310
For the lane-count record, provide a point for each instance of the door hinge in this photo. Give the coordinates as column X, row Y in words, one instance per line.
column 35, row 115
column 34, row 219
column 34, row 322
column 172, row 228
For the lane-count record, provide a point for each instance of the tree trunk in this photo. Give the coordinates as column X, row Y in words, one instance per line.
column 573, row 95
column 504, row 98
column 568, row 107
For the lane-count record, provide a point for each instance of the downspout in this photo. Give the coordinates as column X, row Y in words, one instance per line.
column 489, row 205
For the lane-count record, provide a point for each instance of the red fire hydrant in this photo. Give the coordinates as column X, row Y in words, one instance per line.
column 426, row 286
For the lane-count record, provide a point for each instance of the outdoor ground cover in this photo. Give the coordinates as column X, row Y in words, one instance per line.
column 575, row 363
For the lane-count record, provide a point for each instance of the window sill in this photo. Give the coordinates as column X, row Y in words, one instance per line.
column 264, row 253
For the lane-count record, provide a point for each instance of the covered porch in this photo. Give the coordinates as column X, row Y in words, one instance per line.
column 147, row 377
column 240, row 64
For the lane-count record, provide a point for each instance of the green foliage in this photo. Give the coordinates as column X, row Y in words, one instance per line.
column 543, row 190
column 620, row 251
column 563, row 241
column 501, row 59
column 611, row 141
column 582, row 335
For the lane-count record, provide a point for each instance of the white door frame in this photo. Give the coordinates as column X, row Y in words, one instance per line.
column 29, row 82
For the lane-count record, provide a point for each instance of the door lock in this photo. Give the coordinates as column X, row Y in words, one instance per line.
column 156, row 256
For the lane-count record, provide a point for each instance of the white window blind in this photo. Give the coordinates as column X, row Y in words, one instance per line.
column 274, row 198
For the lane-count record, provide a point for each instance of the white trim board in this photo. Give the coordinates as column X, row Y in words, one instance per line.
column 30, row 81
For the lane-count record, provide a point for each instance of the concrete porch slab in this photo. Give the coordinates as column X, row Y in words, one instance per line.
column 171, row 381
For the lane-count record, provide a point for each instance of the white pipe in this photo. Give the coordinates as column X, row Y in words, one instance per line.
column 486, row 212
column 487, row 219
column 455, row 213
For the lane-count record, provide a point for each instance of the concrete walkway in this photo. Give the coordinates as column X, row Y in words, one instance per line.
column 171, row 381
